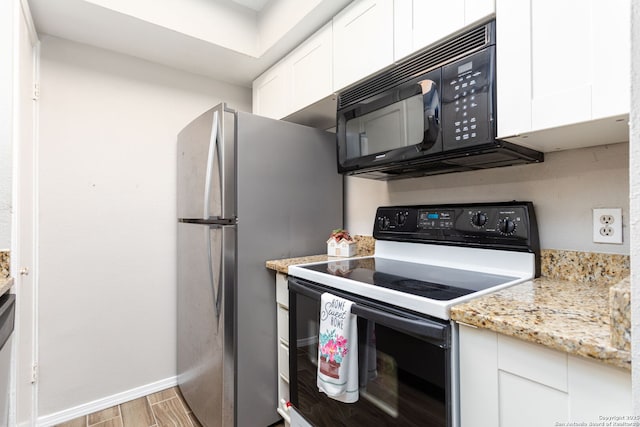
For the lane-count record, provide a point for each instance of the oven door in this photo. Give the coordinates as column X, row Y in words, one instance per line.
column 400, row 124
column 403, row 361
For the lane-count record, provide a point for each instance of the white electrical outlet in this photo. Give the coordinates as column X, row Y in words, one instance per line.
column 607, row 225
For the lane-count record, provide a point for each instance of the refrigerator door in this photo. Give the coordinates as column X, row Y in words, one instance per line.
column 289, row 198
column 201, row 329
column 199, row 167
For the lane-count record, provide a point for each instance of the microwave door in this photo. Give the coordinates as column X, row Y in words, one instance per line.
column 399, row 124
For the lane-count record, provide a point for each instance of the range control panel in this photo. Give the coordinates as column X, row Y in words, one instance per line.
column 504, row 225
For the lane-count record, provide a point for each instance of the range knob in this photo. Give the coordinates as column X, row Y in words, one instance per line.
column 383, row 223
column 401, row 218
column 479, row 219
column 506, row 226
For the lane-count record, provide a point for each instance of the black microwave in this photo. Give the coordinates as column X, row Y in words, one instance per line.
column 433, row 113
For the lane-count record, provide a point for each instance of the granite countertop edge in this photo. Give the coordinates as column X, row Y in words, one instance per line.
column 562, row 320
column 5, row 284
column 282, row 265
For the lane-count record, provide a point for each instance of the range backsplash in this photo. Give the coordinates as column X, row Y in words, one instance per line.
column 586, row 267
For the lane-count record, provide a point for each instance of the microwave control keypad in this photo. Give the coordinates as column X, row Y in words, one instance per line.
column 466, row 102
column 467, row 89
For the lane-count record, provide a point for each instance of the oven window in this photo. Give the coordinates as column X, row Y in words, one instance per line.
column 397, row 125
column 402, row 377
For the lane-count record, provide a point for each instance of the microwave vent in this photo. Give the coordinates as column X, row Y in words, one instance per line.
column 428, row 59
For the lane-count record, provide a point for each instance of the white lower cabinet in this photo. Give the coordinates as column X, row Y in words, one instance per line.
column 282, row 303
column 524, row 402
column 508, row 382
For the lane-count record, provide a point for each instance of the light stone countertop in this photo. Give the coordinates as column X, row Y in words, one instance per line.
column 568, row 316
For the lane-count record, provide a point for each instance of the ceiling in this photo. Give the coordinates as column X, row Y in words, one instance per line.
column 256, row 5
column 229, row 40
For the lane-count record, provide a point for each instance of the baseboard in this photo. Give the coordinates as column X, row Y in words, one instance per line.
column 105, row 402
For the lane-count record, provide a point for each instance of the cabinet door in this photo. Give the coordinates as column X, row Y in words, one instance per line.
column 527, row 403
column 419, row 23
column 505, row 381
column 597, row 389
column 561, row 63
column 435, row 19
column 478, row 377
column 271, row 92
column 611, row 58
column 311, row 67
column 362, row 40
column 531, row 377
column 513, row 66
column 475, row 10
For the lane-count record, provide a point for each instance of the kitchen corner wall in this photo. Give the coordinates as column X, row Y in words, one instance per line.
column 107, row 218
column 564, row 189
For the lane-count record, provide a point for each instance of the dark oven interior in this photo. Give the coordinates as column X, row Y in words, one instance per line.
column 403, row 377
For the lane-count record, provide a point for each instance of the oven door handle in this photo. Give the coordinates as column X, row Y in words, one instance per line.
column 436, row 333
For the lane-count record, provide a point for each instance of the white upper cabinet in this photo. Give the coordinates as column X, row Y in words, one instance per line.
column 419, row 23
column 311, row 66
column 300, row 79
column 561, row 63
column 476, row 10
column 362, row 40
column 272, row 92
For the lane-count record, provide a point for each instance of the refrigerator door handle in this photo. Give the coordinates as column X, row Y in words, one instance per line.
column 215, row 291
column 214, row 153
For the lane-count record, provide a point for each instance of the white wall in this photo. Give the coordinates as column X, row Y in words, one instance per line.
column 563, row 189
column 634, row 197
column 107, row 226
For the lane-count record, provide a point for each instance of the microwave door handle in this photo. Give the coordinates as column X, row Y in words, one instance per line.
column 431, row 105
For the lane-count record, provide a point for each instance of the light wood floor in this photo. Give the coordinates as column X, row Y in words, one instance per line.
column 164, row 408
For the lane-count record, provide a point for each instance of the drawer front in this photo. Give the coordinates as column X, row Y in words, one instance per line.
column 283, row 362
column 282, row 290
column 535, row 362
column 283, row 325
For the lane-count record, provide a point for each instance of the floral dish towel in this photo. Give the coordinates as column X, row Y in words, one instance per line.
column 338, row 349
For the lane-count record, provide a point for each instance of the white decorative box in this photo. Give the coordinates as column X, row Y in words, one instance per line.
column 343, row 248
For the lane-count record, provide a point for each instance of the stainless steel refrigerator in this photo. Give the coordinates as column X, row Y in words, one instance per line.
column 250, row 189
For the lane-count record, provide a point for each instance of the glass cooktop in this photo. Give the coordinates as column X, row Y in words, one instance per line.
column 434, row 282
